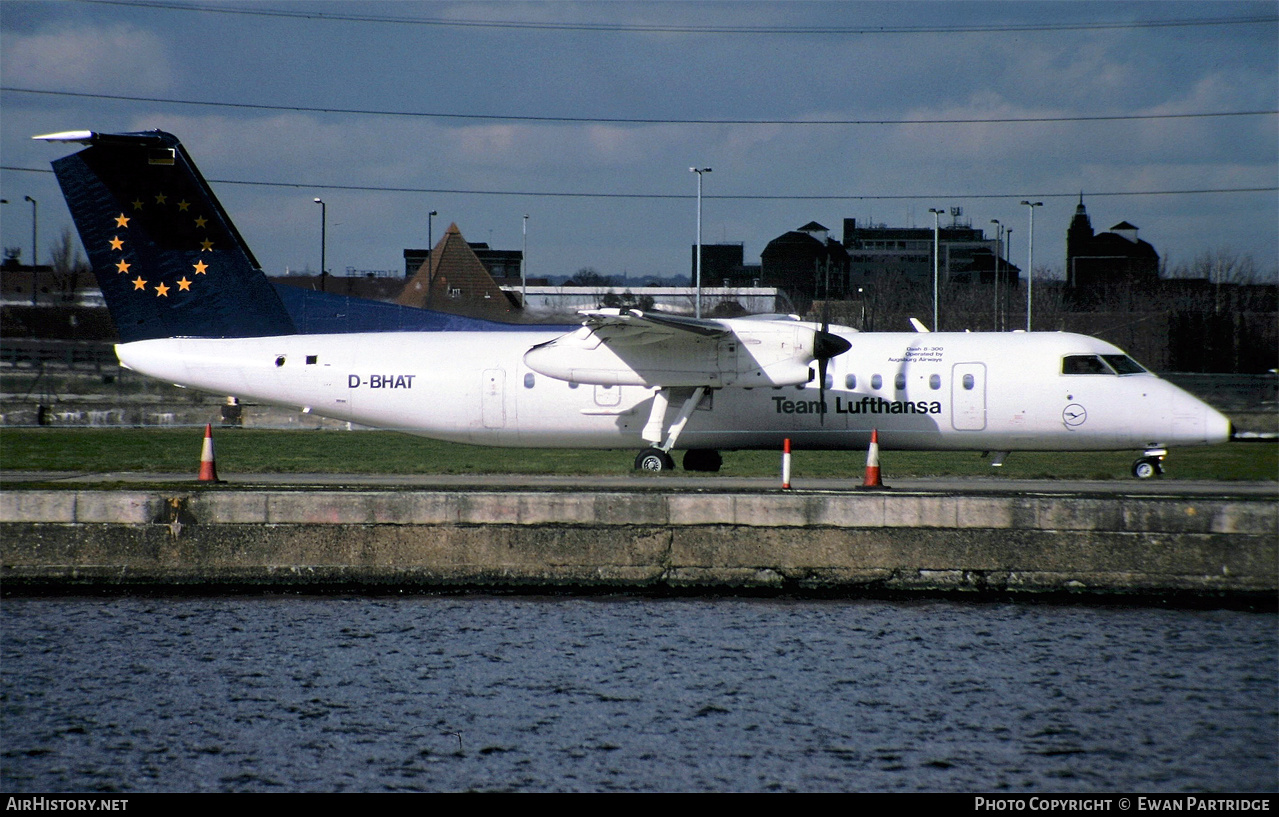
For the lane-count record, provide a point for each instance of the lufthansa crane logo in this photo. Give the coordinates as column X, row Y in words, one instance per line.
column 1074, row 415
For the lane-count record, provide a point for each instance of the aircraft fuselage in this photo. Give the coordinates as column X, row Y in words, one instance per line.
column 925, row 391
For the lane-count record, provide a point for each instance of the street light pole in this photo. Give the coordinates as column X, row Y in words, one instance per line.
column 936, row 211
column 1030, row 263
column 430, row 255
column 999, row 249
column 1008, row 250
column 324, row 240
column 35, row 246
column 697, row 299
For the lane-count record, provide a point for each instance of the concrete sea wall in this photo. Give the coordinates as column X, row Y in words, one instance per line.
column 641, row 540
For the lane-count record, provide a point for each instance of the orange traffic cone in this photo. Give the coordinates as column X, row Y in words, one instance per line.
column 872, row 481
column 208, row 470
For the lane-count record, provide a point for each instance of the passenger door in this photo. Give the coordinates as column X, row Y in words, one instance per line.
column 968, row 397
column 493, row 398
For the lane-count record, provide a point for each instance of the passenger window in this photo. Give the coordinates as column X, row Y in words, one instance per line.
column 830, row 381
column 528, row 380
column 850, row 381
column 900, row 381
column 1083, row 364
column 969, row 382
column 876, row 382
column 934, row 381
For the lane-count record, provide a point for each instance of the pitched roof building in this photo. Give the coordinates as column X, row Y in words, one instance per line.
column 806, row 264
column 454, row 280
column 1097, row 263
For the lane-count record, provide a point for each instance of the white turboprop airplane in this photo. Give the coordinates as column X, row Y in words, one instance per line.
column 193, row 307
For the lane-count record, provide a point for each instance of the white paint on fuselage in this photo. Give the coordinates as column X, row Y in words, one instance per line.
column 474, row 387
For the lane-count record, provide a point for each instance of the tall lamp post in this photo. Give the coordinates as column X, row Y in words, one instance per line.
column 324, row 240
column 697, row 299
column 35, row 246
column 1030, row 263
column 936, row 211
column 1008, row 251
column 430, row 255
column 999, row 249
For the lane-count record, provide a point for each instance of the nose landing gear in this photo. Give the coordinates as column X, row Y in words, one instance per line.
column 1150, row 464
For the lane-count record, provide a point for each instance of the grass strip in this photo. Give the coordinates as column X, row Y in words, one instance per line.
column 261, row 451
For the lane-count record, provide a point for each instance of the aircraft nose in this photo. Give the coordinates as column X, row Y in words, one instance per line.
column 1218, row 428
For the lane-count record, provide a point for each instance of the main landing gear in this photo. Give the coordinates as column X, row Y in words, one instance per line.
column 658, row 458
column 1150, row 464
column 696, row 459
column 654, row 459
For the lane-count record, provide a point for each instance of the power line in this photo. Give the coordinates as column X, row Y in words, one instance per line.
column 722, row 197
column 667, row 28
column 637, row 120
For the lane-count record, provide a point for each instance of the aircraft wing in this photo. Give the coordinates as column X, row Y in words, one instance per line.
column 615, row 347
column 632, row 325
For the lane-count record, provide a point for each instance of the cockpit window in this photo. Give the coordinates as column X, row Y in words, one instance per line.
column 1100, row 364
column 1122, row 364
column 1084, row 364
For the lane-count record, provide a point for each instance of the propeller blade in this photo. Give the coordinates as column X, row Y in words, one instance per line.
column 825, row 346
column 821, row 388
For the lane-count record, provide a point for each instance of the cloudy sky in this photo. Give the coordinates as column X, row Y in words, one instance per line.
column 586, row 117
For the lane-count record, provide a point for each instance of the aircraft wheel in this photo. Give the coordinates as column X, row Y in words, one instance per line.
column 703, row 459
column 654, row 459
column 1147, row 467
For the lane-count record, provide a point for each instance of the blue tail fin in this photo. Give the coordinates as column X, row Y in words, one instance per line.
column 168, row 259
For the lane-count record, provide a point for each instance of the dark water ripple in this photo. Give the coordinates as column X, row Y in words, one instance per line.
column 572, row 694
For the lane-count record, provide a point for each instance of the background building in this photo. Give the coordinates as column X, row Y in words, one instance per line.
column 881, row 253
column 807, row 265
column 455, row 280
column 1099, row 265
column 723, row 265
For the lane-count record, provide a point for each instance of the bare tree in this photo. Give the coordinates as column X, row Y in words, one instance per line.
column 68, row 263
